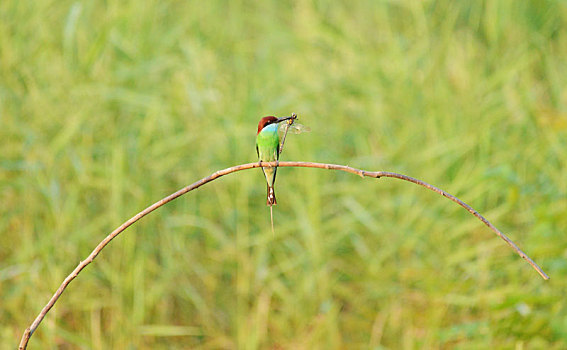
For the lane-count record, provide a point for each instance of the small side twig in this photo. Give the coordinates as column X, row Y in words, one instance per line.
column 287, row 124
column 375, row 174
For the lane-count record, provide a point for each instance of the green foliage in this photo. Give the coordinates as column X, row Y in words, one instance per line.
column 108, row 106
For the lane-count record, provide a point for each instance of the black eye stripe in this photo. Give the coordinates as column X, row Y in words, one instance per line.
column 270, row 122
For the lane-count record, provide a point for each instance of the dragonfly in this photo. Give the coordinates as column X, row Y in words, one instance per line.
column 291, row 126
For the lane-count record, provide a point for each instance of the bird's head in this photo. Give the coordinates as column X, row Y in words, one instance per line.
column 270, row 120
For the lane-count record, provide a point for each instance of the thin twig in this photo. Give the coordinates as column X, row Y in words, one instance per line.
column 283, row 138
column 287, row 124
column 375, row 174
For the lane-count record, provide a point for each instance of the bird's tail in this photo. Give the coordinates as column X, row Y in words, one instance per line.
column 271, row 197
column 272, row 219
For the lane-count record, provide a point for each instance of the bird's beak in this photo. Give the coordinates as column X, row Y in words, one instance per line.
column 282, row 119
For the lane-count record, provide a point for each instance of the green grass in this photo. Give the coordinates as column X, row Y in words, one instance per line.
column 106, row 107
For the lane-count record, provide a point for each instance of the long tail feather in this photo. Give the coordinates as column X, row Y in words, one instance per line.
column 272, row 219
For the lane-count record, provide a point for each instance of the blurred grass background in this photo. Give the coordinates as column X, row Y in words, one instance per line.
column 108, row 106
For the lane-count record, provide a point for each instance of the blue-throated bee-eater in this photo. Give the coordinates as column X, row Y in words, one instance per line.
column 268, row 149
column 268, row 146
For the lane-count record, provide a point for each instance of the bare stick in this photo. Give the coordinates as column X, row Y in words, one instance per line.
column 283, row 138
column 362, row 173
column 288, row 123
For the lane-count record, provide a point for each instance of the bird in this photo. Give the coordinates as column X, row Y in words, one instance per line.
column 268, row 150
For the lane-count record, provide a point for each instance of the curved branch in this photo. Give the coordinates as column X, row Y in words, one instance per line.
column 362, row 173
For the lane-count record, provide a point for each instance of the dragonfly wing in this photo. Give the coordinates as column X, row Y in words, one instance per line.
column 281, row 129
column 294, row 128
column 298, row 128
